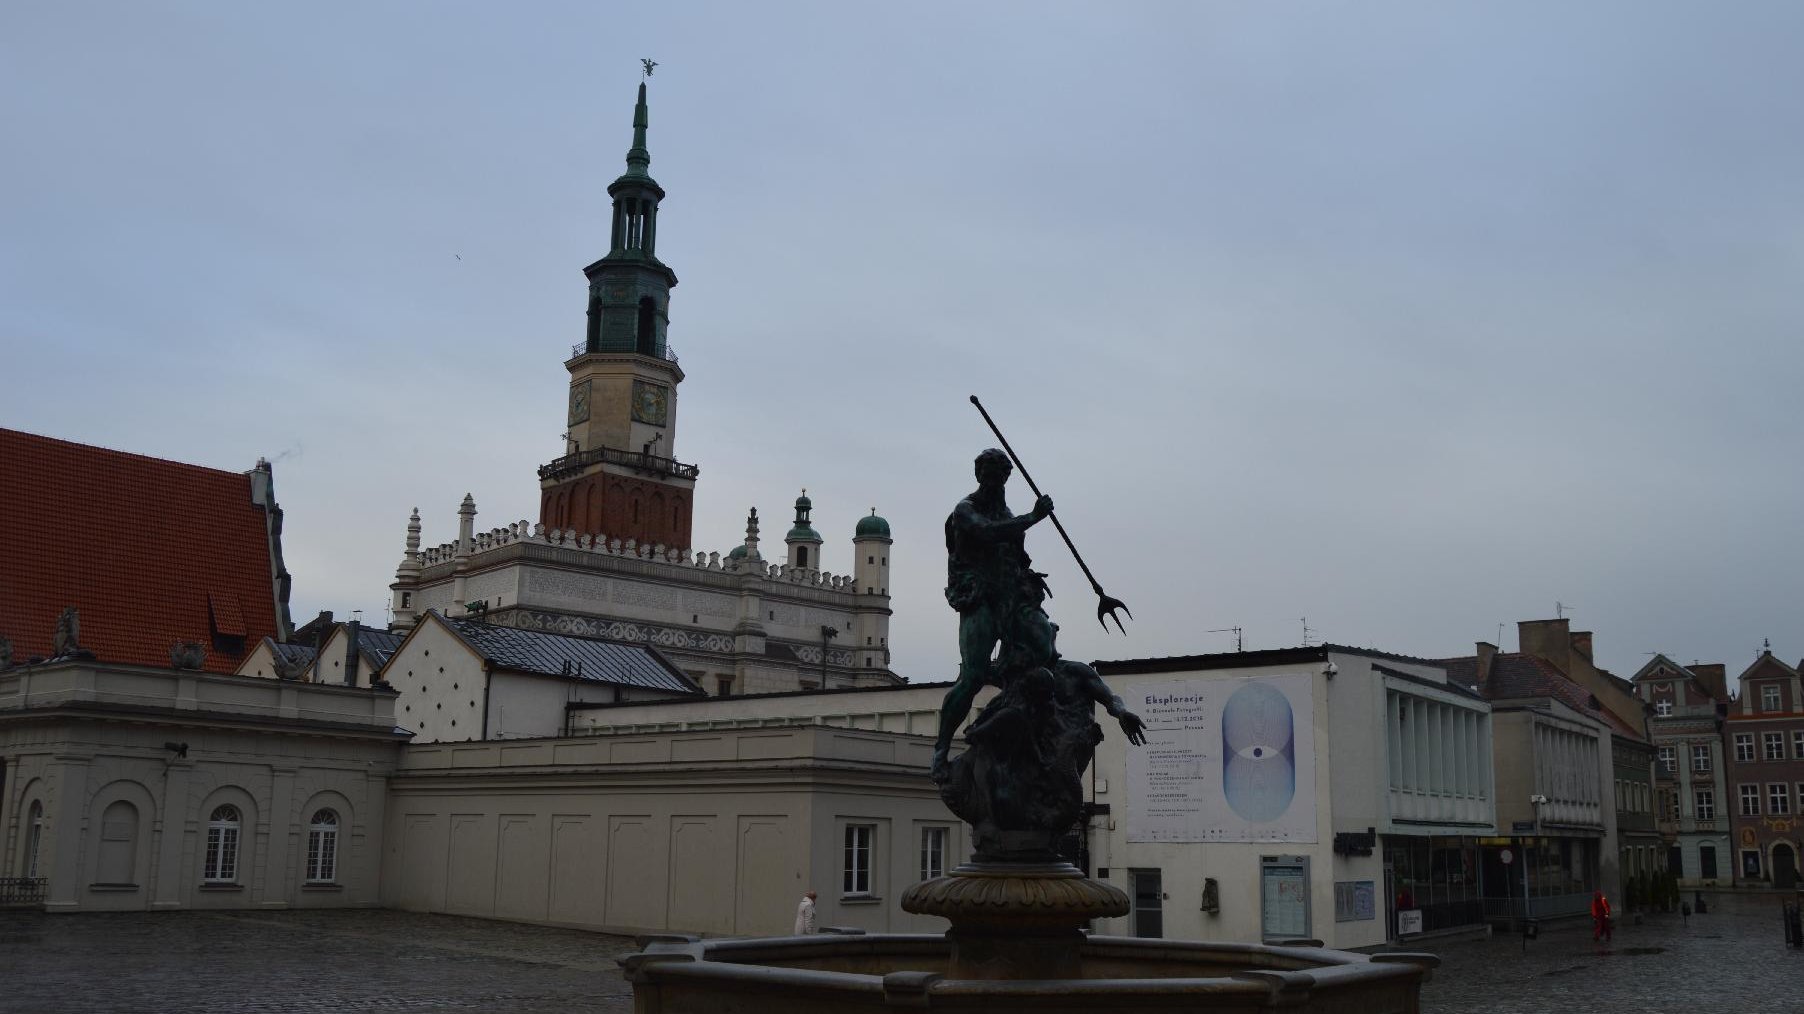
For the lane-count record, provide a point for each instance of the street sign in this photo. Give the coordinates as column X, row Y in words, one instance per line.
column 1522, row 826
column 1506, row 856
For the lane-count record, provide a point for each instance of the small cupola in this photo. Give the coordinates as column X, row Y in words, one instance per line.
column 803, row 541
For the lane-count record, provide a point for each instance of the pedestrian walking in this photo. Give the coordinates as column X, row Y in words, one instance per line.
column 805, row 914
column 1600, row 917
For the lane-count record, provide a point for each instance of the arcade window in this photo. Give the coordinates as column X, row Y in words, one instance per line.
column 222, row 846
column 322, row 848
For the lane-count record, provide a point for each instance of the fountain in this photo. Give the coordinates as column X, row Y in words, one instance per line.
column 1017, row 911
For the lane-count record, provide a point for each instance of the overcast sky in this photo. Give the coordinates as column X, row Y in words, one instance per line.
column 1408, row 318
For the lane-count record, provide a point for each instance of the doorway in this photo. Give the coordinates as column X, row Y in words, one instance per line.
column 1785, row 867
column 1149, row 907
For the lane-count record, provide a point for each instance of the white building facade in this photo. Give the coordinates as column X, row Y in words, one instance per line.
column 1325, row 793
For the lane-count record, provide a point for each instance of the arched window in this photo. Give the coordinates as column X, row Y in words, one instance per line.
column 322, row 848
column 34, row 837
column 222, row 846
column 118, row 859
column 648, row 327
column 802, row 557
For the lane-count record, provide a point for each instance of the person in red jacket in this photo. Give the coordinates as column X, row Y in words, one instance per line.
column 1600, row 917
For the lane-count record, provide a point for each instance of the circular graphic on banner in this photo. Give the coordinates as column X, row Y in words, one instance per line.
column 1259, row 770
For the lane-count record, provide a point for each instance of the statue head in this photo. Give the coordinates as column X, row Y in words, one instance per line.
column 993, row 468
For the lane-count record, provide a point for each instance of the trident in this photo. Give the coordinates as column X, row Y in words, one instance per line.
column 1106, row 605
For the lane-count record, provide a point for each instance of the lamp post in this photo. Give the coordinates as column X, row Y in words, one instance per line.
column 1535, row 801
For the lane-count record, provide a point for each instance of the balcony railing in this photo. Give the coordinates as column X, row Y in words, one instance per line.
column 571, row 464
column 582, row 348
column 22, row 892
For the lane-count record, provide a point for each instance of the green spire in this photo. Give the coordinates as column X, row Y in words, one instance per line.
column 638, row 157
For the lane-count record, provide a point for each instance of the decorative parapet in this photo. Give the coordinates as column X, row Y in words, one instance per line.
column 603, row 545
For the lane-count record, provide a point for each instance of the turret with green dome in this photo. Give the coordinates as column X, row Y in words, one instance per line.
column 871, row 527
column 803, row 541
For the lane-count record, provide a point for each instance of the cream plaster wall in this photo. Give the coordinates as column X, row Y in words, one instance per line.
column 709, row 832
column 257, row 744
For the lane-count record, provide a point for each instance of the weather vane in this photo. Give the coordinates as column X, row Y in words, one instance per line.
column 650, row 65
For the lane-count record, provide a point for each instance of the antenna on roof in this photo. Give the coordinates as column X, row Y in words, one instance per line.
column 1307, row 630
column 1239, row 641
column 1559, row 609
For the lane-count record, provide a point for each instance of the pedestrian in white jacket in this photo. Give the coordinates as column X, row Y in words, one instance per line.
column 805, row 914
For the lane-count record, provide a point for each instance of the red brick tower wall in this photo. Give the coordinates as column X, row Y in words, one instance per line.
column 620, row 507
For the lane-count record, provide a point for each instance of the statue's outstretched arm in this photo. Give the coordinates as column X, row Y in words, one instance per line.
column 966, row 517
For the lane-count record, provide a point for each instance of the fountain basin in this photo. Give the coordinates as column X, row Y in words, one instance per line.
column 814, row 975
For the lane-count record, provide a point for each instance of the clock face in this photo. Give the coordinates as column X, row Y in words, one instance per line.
column 651, row 403
column 579, row 403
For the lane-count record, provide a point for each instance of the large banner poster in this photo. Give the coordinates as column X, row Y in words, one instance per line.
column 1224, row 760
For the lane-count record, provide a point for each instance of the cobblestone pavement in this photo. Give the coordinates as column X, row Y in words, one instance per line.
column 1732, row 959
column 295, row 962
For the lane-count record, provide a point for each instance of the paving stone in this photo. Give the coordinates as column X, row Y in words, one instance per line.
column 1731, row 960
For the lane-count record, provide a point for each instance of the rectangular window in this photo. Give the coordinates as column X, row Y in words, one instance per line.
column 1797, row 745
column 1773, row 744
column 1769, row 697
column 1669, row 758
column 1663, row 708
column 1750, row 800
column 1705, row 801
column 1700, row 757
column 725, row 683
column 933, row 852
column 1744, row 746
column 858, row 859
column 1778, row 799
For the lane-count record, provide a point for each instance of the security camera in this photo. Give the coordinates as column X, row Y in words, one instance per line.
column 1330, row 669
column 1537, row 799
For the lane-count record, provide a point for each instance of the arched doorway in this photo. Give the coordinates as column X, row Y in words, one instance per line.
column 1785, row 867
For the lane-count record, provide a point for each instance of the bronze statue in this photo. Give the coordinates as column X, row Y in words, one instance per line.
column 1019, row 784
column 990, row 580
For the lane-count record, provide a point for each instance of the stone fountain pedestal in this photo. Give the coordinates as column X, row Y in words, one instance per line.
column 1016, row 920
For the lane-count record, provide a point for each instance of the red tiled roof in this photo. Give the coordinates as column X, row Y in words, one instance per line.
column 149, row 551
column 1515, row 675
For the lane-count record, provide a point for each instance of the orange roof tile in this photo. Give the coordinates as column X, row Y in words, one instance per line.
column 149, row 551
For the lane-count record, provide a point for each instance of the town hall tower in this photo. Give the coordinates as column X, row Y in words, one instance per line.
column 619, row 472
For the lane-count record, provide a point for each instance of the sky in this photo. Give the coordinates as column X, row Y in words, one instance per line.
column 1409, row 319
